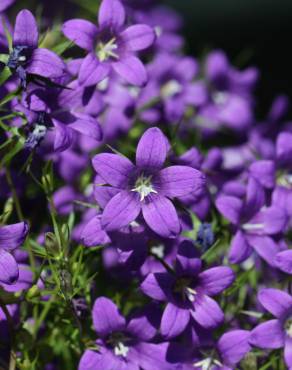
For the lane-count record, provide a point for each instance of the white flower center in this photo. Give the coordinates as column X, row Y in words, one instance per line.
column 285, row 180
column 220, row 98
column 252, row 227
column 121, row 350
column 171, row 88
column 288, row 326
column 208, row 364
column 158, row 250
column 191, row 294
column 144, row 187
column 105, row 51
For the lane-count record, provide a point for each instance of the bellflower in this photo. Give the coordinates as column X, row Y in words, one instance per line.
column 11, row 237
column 187, row 292
column 124, row 345
column 146, row 186
column 111, row 46
column 254, row 224
column 276, row 333
column 26, row 58
column 229, row 350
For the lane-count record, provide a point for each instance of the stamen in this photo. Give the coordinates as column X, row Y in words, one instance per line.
column 144, row 187
column 105, row 51
column 171, row 88
column 121, row 350
column 250, row 227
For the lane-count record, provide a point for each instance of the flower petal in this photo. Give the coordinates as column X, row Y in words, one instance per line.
column 132, row 70
column 216, row 279
column 81, row 32
column 106, row 317
column 92, row 71
column 152, row 149
column 111, row 14
column 283, row 261
column 160, row 215
column 157, row 286
column 265, row 247
column 288, row 352
column 46, row 63
column 239, row 249
column 13, row 236
column 113, row 168
column 120, row 211
column 25, row 30
column 138, row 37
column 230, row 207
column 275, row 301
column 284, row 148
column 176, row 181
column 264, row 172
column 63, row 136
column 174, row 320
column 93, row 234
column 88, row 126
column 207, row 312
column 268, row 335
column 8, row 268
column 233, row 346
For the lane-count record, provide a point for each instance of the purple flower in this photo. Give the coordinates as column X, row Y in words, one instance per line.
column 276, row 333
column 145, row 186
column 26, row 58
column 11, row 237
column 187, row 292
column 111, row 45
column 229, row 350
column 124, row 345
column 254, row 224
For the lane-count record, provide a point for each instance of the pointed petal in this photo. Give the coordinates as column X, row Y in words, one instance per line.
column 174, row 321
column 283, row 261
column 288, row 351
column 81, row 32
column 216, row 279
column 92, row 71
column 239, row 249
column 160, row 215
column 25, row 30
column 106, row 317
column 255, row 197
column 13, row 236
column 230, row 207
column 157, row 286
column 233, row 346
column 103, row 194
column 120, row 211
column 93, row 234
column 8, row 268
column 187, row 259
column 46, row 63
column 138, row 37
column 145, row 323
column 132, row 70
column 274, row 219
column 63, row 136
column 88, row 126
column 111, row 14
column 264, row 172
column 284, row 148
column 207, row 312
column 268, row 335
column 176, row 181
column 265, row 247
column 113, row 168
column 275, row 301
column 90, row 360
column 152, row 149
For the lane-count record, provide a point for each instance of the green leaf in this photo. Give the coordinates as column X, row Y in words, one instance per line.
column 4, row 75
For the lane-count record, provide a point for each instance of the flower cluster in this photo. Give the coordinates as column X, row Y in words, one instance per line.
column 133, row 234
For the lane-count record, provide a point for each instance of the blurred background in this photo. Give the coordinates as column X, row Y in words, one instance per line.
column 256, row 32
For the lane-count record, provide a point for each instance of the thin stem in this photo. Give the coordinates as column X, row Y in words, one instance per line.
column 14, row 195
